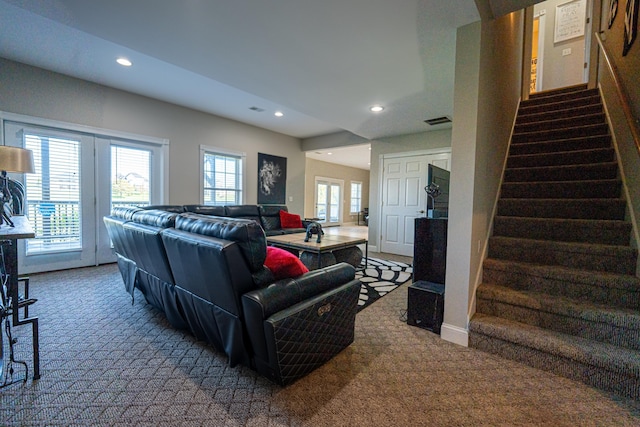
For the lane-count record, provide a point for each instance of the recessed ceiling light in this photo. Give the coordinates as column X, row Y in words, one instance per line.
column 278, row 114
column 124, row 62
column 376, row 108
column 329, row 153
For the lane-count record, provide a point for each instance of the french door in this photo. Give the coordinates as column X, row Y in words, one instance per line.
column 78, row 178
column 328, row 201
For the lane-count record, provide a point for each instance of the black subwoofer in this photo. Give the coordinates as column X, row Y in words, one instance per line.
column 425, row 305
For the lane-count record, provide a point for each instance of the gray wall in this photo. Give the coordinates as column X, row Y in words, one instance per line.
column 487, row 91
column 35, row 92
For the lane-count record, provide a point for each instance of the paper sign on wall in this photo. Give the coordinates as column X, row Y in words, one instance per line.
column 570, row 20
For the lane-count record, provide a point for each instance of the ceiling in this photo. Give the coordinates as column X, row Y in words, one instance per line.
column 356, row 156
column 321, row 63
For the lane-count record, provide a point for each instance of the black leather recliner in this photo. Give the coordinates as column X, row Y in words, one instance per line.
column 225, row 295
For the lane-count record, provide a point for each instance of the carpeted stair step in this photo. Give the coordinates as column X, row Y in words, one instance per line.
column 564, row 90
column 602, row 232
column 613, row 209
column 594, row 108
column 559, row 158
column 596, row 189
column 586, row 256
column 601, row 365
column 593, row 171
column 552, row 98
column 568, row 144
column 557, row 134
column 598, row 322
column 528, row 107
column 560, row 123
column 598, row 287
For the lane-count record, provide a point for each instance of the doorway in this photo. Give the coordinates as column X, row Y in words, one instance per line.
column 78, row 178
column 328, row 201
column 560, row 40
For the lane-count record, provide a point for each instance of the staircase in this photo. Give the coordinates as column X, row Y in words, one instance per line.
column 559, row 289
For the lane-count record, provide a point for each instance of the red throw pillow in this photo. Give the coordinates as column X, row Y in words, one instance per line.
column 288, row 220
column 283, row 264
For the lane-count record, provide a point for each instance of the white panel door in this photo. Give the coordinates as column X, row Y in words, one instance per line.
column 404, row 199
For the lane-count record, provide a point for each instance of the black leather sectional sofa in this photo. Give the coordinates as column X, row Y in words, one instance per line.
column 268, row 216
column 207, row 274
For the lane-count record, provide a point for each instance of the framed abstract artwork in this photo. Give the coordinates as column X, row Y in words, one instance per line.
column 272, row 179
column 630, row 25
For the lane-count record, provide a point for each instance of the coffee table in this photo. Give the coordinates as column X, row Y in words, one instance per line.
column 329, row 243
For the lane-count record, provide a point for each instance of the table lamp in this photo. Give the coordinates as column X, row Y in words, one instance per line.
column 12, row 159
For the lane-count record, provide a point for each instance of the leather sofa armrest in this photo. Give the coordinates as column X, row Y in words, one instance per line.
column 287, row 292
column 259, row 304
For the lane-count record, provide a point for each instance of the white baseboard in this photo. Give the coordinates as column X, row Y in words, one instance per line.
column 454, row 334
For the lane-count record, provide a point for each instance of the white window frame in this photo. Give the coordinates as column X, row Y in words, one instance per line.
column 351, row 197
column 207, row 149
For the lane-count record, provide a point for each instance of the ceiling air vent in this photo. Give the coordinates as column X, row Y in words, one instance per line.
column 256, row 109
column 438, row 121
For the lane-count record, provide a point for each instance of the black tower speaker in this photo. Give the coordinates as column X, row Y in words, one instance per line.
column 425, row 305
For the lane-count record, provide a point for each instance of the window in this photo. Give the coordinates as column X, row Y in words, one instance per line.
column 222, row 177
column 356, row 197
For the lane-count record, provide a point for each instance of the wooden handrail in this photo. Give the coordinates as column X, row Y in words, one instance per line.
column 624, row 100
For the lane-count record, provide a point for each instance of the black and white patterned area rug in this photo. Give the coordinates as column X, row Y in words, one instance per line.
column 379, row 278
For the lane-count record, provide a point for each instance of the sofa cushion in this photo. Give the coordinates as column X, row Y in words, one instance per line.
column 168, row 208
column 244, row 212
column 248, row 234
column 122, row 212
column 270, row 216
column 206, row 210
column 290, row 220
column 155, row 218
column 283, row 264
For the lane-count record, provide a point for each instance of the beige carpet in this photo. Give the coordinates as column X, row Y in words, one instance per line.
column 106, row 362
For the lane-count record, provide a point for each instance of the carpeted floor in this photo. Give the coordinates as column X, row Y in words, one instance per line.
column 106, row 362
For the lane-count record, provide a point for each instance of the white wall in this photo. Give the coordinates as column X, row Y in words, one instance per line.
column 35, row 92
column 487, row 90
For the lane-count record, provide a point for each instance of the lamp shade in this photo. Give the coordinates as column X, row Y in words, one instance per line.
column 14, row 159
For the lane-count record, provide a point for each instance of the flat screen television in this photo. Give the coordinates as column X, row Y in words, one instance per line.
column 438, row 207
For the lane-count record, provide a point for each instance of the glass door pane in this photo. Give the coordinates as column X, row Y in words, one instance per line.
column 130, row 176
column 334, row 217
column 53, row 194
column 322, row 190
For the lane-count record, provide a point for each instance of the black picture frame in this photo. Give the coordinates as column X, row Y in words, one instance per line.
column 272, row 179
column 613, row 11
column 630, row 25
